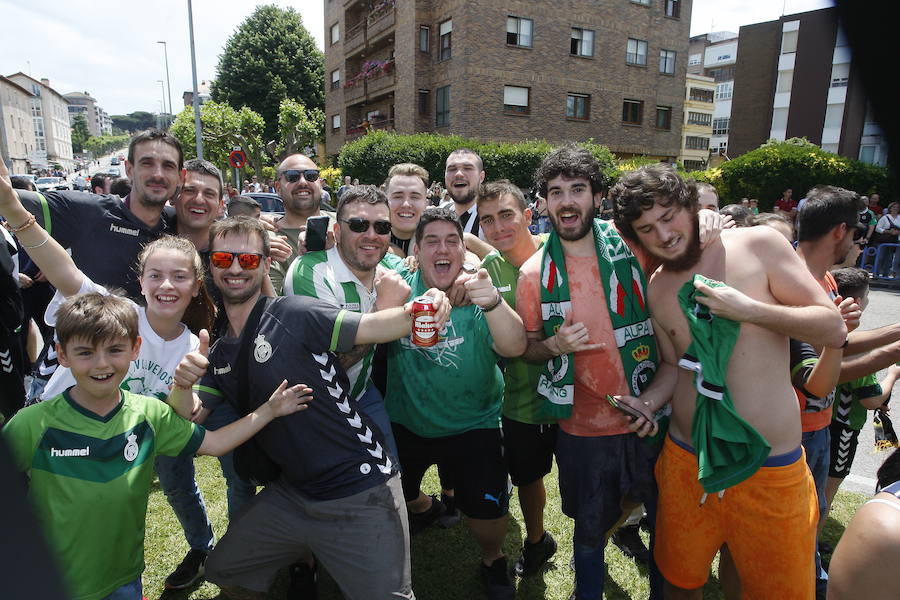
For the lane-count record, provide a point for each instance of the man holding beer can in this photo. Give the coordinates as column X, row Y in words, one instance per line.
column 445, row 391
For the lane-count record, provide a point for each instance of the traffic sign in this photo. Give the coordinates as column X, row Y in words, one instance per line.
column 237, row 159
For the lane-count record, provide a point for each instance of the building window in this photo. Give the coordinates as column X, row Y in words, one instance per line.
column 700, row 95
column 442, row 106
column 724, row 90
column 693, row 142
column 335, row 122
column 722, row 74
column 335, row 33
column 694, row 165
column 518, row 31
column 667, row 61
column 695, row 118
column 695, row 59
column 867, row 153
column 664, row 117
column 582, row 43
column 840, row 75
column 673, row 8
column 632, row 112
column 424, row 38
column 423, row 103
column 636, row 53
column 789, row 42
column 446, row 31
column 578, row 106
column 644, row 2
column 335, row 79
column 515, row 99
column 720, row 126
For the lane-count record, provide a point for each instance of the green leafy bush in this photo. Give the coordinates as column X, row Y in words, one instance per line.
column 369, row 157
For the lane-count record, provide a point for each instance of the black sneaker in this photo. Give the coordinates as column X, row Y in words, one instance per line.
column 424, row 520
column 497, row 584
column 303, row 582
column 189, row 572
column 535, row 556
column 628, row 540
column 451, row 515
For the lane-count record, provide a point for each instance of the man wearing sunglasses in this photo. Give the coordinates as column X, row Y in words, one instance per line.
column 299, row 186
column 350, row 275
column 338, row 495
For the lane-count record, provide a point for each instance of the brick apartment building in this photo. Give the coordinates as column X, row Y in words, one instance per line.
column 509, row 70
column 698, row 118
column 794, row 78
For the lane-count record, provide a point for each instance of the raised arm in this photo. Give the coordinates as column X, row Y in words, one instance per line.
column 394, row 323
column 504, row 324
column 54, row 262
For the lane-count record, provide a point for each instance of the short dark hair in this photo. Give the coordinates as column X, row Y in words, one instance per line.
column 243, row 205
column 155, row 134
column 852, row 282
column 240, row 225
column 640, row 189
column 503, row 187
column 768, row 219
column 889, row 471
column 433, row 214
column 99, row 180
column 361, row 193
column 739, row 214
column 477, row 156
column 826, row 206
column 96, row 318
column 21, row 183
column 121, row 186
column 204, row 167
column 570, row 161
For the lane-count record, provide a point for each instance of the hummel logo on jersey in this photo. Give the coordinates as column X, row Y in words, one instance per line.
column 86, row 451
column 222, row 370
column 126, row 230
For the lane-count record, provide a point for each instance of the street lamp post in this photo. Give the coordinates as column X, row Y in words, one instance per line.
column 163, row 88
column 168, row 81
column 198, row 134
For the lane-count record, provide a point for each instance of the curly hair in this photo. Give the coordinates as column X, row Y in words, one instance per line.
column 640, row 189
column 573, row 162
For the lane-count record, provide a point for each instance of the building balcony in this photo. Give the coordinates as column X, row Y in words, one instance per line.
column 380, row 21
column 375, row 76
column 354, row 92
column 355, row 37
column 366, row 126
column 379, row 82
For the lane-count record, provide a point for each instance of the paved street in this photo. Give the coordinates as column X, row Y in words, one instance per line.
column 884, row 308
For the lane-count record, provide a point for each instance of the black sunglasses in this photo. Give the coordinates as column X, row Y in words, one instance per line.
column 358, row 225
column 293, row 175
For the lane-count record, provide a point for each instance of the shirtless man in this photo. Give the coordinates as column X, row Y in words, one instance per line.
column 772, row 297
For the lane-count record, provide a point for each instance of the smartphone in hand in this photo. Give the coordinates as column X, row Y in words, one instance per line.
column 632, row 413
column 316, row 232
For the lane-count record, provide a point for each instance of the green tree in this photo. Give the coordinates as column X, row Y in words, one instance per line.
column 136, row 121
column 80, row 133
column 105, row 143
column 269, row 58
column 297, row 127
column 223, row 129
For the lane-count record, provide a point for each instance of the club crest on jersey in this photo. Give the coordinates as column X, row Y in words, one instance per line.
column 642, row 375
column 641, row 353
column 131, row 448
column 263, row 350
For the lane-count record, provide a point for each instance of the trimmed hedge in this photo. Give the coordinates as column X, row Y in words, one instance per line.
column 766, row 172
column 369, row 157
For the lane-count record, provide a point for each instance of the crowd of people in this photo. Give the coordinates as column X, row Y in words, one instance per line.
column 589, row 324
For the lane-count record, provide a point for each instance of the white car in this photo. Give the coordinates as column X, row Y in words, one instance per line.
column 45, row 184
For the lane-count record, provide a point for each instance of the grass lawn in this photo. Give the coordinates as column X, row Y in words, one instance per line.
column 444, row 562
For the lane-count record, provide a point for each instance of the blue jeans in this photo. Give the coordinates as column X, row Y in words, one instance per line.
column 887, row 254
column 818, row 456
column 176, row 477
column 132, row 590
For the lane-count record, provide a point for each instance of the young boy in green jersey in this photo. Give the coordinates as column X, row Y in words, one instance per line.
column 89, row 451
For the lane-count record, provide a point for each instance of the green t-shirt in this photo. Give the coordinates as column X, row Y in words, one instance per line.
column 90, row 481
column 452, row 387
column 521, row 401
column 847, row 409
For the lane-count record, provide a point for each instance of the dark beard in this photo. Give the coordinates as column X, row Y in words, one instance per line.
column 467, row 199
column 691, row 254
column 586, row 226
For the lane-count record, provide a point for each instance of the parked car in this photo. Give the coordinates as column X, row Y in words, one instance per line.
column 269, row 203
column 114, row 160
column 114, row 171
column 45, row 184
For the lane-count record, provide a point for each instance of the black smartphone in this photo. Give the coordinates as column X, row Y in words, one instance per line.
column 316, row 232
column 625, row 408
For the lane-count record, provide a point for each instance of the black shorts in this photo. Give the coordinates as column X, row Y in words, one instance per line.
column 843, row 449
column 529, row 450
column 473, row 460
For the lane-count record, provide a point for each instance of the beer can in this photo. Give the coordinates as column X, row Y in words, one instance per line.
column 424, row 333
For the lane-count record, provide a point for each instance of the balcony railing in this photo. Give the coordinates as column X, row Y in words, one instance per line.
column 355, row 37
column 367, row 126
column 371, row 69
column 379, row 82
column 380, row 21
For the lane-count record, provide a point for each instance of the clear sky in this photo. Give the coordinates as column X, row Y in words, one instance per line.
column 110, row 49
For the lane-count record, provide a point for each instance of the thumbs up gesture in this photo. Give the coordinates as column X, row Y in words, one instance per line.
column 194, row 364
column 481, row 290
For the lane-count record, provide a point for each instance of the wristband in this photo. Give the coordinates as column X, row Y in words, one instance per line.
column 28, row 223
column 495, row 304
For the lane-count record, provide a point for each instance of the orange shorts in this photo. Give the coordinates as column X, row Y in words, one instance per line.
column 768, row 522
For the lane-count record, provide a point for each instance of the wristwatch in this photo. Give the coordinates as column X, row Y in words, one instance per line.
column 469, row 268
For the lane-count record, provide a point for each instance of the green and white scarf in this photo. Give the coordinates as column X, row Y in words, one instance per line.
column 625, row 287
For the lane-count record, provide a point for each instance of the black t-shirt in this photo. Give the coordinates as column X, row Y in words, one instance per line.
column 330, row 450
column 103, row 234
column 401, row 243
